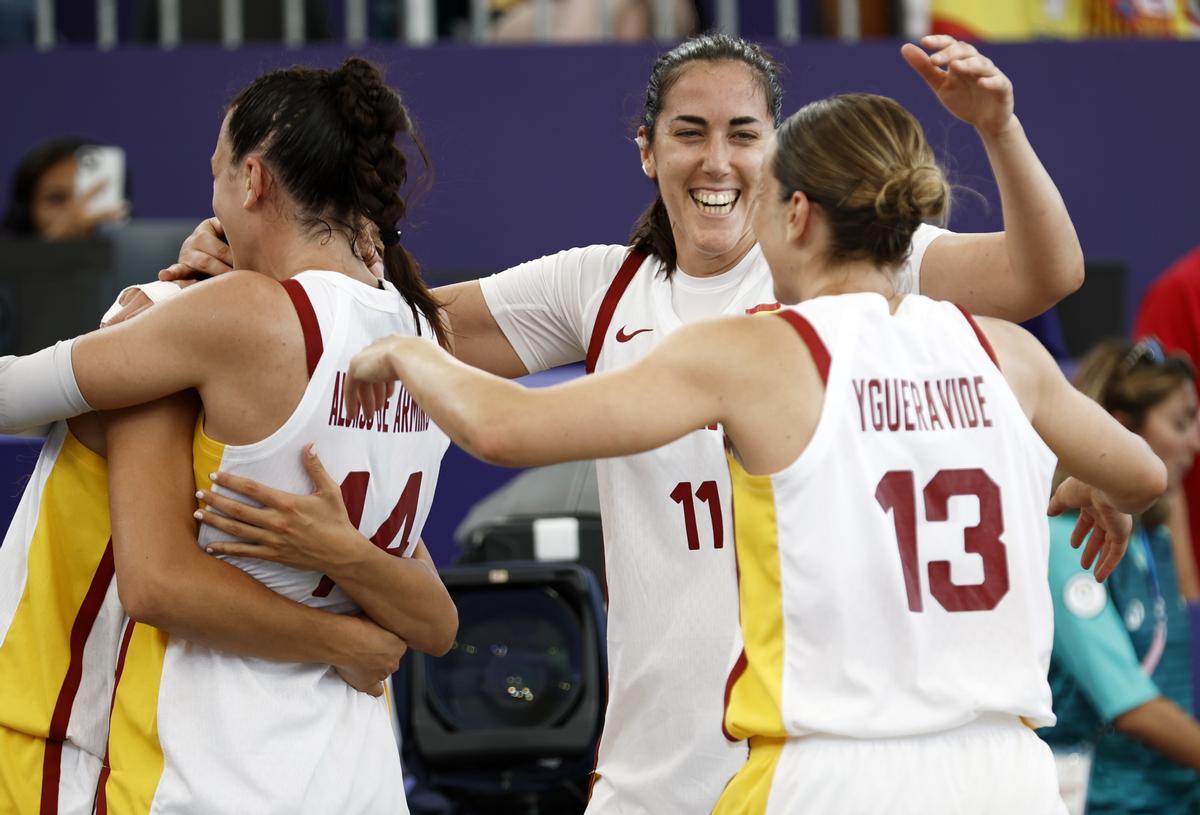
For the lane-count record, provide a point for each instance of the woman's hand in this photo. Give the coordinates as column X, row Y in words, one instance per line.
column 374, row 371
column 311, row 532
column 966, row 82
column 205, row 252
column 373, row 655
column 1110, row 529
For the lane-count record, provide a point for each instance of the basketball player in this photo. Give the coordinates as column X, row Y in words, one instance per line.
column 711, row 104
column 61, row 619
column 895, row 643
column 198, row 730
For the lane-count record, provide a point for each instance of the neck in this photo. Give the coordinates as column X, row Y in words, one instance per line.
column 820, row 280
column 695, row 264
column 284, row 252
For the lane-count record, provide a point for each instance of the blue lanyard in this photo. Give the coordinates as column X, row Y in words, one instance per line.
column 1151, row 659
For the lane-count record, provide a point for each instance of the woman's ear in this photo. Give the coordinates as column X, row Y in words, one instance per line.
column 647, row 157
column 799, row 215
column 258, row 179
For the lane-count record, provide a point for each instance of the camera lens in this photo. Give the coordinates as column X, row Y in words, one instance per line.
column 517, row 661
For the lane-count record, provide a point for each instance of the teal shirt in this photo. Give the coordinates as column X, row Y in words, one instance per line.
column 1101, row 633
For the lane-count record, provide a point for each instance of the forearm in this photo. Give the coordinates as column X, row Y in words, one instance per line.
column 209, row 602
column 469, row 405
column 1045, row 260
column 38, row 389
column 401, row 594
column 1164, row 727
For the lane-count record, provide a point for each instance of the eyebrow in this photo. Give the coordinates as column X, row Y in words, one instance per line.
column 737, row 121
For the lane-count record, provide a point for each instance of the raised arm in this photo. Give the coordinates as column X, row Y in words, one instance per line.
column 1036, row 261
column 165, row 580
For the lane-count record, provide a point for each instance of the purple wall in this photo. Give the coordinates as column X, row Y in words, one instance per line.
column 532, row 151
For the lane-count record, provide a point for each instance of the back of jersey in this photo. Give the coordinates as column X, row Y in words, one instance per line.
column 893, row 579
column 386, row 463
column 246, row 735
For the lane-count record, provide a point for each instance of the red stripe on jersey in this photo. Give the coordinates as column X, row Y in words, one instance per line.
column 763, row 307
column 89, row 610
column 983, row 340
column 739, row 668
column 101, row 785
column 313, row 348
column 820, row 353
column 608, row 306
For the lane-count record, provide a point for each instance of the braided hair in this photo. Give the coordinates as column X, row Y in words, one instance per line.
column 329, row 136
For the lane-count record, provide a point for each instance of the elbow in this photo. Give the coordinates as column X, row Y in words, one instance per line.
column 1154, row 482
column 444, row 632
column 492, row 441
column 438, row 632
column 142, row 599
column 1070, row 276
column 1147, row 483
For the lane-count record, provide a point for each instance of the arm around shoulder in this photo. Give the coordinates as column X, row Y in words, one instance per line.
column 178, row 344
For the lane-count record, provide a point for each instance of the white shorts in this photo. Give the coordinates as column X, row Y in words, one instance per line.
column 993, row 766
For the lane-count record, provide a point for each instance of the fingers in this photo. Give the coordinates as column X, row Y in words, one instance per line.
column 237, row 510
column 919, row 61
column 204, row 251
column 1094, row 544
column 377, row 690
column 213, row 225
column 954, row 51
column 1083, row 526
column 1108, row 562
column 92, row 191
column 262, row 538
column 233, row 549
column 114, row 213
column 136, row 304
column 251, row 489
column 322, row 481
column 976, row 66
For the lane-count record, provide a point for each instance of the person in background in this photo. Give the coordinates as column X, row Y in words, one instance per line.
column 1170, row 311
column 43, row 201
column 1120, row 671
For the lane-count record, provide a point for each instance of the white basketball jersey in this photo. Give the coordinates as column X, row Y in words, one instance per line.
column 893, row 579
column 247, row 735
column 672, row 603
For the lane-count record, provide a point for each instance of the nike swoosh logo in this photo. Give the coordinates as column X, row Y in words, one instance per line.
column 623, row 337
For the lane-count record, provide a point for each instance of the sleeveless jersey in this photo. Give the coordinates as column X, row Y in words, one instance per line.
column 893, row 579
column 60, row 624
column 668, row 532
column 196, row 730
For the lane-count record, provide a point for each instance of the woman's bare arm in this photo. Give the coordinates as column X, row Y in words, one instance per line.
column 1037, row 260
column 165, row 580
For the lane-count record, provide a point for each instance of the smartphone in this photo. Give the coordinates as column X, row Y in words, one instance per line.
column 100, row 164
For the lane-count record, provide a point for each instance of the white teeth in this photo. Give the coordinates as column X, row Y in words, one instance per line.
column 715, row 199
column 716, row 203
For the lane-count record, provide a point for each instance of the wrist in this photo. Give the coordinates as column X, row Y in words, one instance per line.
column 351, row 553
column 1008, row 132
column 339, row 639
